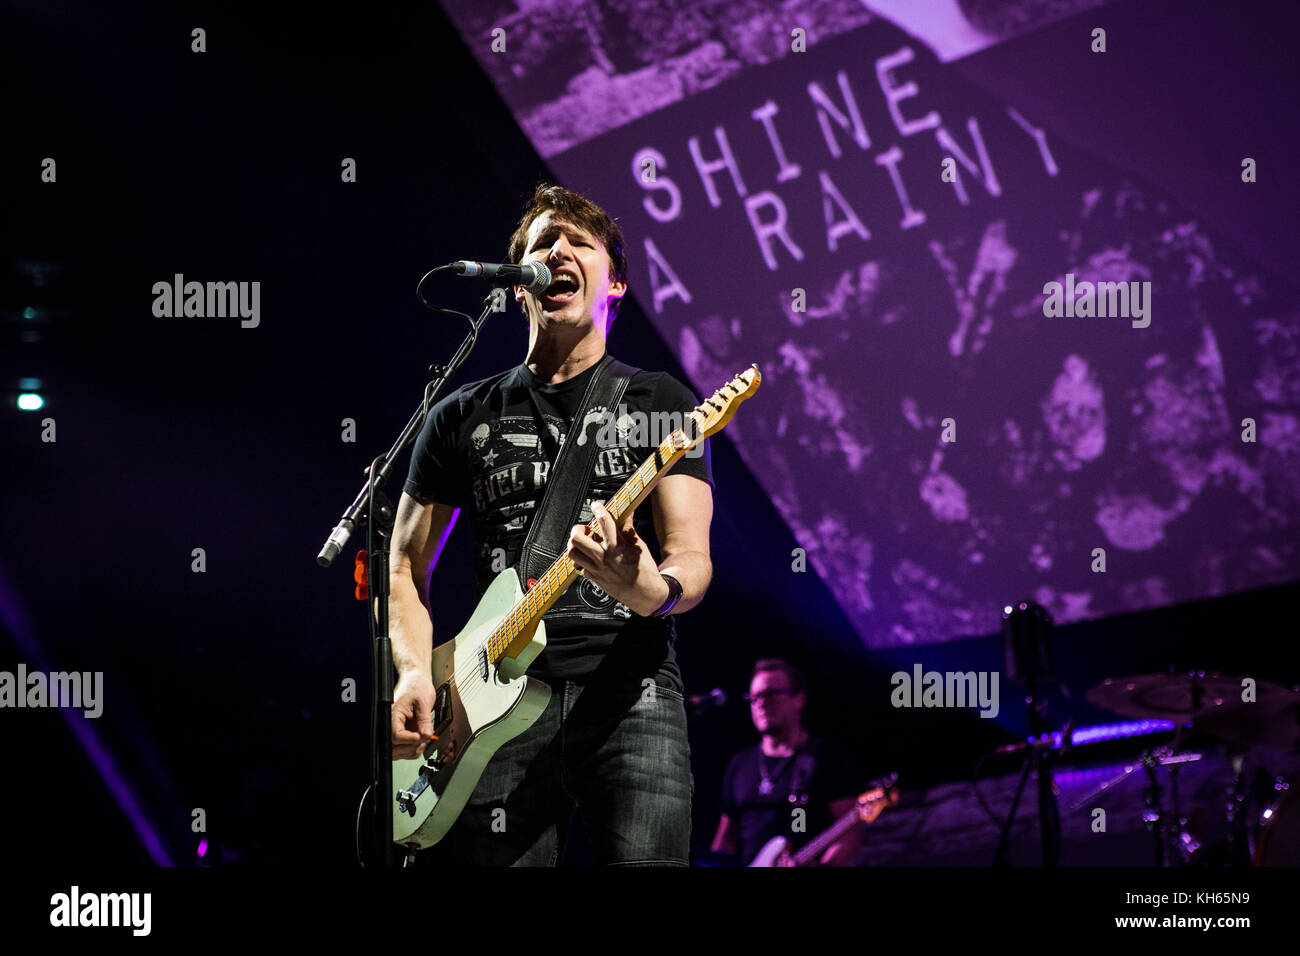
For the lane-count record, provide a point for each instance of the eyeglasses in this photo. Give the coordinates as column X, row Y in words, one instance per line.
column 767, row 695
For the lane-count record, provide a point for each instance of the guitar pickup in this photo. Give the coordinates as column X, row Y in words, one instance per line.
column 441, row 708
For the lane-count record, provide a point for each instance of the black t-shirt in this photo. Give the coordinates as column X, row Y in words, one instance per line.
column 483, row 449
column 761, row 816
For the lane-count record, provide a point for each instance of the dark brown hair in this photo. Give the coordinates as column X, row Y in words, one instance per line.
column 581, row 212
column 792, row 673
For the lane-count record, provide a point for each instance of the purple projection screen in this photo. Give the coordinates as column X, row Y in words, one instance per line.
column 941, row 427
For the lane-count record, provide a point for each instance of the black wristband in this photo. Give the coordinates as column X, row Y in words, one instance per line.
column 674, row 595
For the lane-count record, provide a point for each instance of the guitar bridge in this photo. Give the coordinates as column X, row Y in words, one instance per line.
column 406, row 798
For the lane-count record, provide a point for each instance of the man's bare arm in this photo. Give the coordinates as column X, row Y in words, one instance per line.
column 683, row 511
column 726, row 840
column 419, row 533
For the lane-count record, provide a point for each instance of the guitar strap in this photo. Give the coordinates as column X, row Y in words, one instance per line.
column 571, row 472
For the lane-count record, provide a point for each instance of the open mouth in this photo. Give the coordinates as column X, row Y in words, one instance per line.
column 563, row 289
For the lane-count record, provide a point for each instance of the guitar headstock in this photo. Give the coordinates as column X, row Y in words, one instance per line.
column 882, row 795
column 715, row 411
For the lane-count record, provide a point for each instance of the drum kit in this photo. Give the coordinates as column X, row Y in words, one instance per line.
column 1257, row 720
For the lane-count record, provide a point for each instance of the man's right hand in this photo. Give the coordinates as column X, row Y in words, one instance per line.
column 412, row 715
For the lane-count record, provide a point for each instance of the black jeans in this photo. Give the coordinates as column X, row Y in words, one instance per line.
column 619, row 753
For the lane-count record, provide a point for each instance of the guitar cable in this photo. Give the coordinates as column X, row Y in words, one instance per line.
column 361, row 808
column 407, row 860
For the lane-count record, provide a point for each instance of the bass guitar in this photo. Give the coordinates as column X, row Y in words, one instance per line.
column 868, row 807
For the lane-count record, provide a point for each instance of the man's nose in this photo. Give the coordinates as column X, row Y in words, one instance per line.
column 559, row 251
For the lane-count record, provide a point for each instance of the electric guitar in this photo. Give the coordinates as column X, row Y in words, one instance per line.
column 869, row 806
column 482, row 696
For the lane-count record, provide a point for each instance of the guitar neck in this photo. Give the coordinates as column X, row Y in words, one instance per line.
column 813, row 851
column 513, row 634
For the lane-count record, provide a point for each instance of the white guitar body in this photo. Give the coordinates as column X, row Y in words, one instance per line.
column 478, row 707
column 771, row 852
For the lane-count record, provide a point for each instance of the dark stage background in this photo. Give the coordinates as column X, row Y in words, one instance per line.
column 223, row 689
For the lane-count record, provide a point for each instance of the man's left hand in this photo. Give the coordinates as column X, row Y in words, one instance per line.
column 620, row 563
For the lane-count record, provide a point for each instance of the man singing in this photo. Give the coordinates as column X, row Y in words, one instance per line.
column 612, row 739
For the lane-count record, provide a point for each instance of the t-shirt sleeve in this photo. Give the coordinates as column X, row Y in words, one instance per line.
column 727, row 806
column 672, row 396
column 436, row 471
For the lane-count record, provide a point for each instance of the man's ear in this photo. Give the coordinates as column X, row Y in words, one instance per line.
column 617, row 289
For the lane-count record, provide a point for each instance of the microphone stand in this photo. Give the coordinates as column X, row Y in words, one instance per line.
column 1037, row 760
column 373, row 508
column 1026, row 632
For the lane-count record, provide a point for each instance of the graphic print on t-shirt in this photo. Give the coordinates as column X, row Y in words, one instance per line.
column 510, row 465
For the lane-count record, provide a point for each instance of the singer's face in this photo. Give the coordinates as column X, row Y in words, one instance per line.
column 568, row 249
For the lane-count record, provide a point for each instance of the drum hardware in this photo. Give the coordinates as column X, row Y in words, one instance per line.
column 1279, row 833
column 1240, row 842
column 1209, row 704
column 1173, row 841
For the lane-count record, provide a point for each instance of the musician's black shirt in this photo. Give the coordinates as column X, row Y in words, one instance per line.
column 761, row 817
column 482, row 450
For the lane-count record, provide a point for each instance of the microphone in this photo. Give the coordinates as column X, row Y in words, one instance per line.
column 533, row 275
column 714, row 698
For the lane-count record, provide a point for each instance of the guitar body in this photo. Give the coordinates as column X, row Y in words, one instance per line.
column 478, row 707
column 771, row 852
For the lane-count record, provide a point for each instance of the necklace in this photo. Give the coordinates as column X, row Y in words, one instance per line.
column 766, row 785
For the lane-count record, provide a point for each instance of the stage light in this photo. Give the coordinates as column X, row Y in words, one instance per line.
column 31, row 402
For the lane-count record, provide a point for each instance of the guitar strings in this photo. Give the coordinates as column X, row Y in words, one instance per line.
column 469, row 683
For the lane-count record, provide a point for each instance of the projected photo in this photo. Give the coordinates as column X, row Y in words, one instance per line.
column 996, row 363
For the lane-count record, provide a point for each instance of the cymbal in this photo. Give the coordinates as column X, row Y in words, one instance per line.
column 1256, row 725
column 1181, row 698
